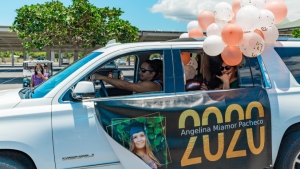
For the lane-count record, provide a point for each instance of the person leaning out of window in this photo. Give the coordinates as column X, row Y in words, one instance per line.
column 229, row 78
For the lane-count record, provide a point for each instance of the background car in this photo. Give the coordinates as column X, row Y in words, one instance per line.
column 121, row 62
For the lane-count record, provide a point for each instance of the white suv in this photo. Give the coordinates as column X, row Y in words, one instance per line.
column 70, row 122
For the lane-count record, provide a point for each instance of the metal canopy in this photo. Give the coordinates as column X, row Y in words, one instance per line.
column 9, row 41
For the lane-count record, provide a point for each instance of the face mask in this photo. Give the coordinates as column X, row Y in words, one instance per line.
column 38, row 70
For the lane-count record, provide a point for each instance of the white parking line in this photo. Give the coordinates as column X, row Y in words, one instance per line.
column 8, row 80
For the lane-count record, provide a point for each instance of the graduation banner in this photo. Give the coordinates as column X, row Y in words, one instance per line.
column 216, row 130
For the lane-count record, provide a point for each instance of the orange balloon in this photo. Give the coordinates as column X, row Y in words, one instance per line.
column 260, row 33
column 185, row 58
column 232, row 55
column 205, row 18
column 236, row 5
column 278, row 8
column 196, row 33
column 232, row 34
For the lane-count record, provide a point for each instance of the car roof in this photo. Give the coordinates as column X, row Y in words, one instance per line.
column 186, row 41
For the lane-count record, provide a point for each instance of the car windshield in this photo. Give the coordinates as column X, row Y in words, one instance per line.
column 56, row 79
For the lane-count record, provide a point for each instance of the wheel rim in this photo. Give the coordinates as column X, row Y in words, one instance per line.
column 296, row 164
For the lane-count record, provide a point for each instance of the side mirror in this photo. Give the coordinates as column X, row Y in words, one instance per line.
column 83, row 88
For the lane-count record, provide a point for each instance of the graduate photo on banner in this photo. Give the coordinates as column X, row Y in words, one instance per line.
column 143, row 136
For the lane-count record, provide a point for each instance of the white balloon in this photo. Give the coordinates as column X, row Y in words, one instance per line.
column 193, row 63
column 257, row 3
column 213, row 29
column 184, row 35
column 221, row 23
column 189, row 72
column 269, row 0
column 248, row 17
column 271, row 35
column 267, row 20
column 213, row 45
column 252, row 44
column 192, row 24
column 223, row 11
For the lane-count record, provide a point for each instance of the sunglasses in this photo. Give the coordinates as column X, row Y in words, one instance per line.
column 225, row 67
column 143, row 70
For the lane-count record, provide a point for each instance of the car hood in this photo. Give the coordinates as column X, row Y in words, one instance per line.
column 9, row 98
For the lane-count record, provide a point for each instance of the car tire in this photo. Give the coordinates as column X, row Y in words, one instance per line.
column 289, row 153
column 15, row 160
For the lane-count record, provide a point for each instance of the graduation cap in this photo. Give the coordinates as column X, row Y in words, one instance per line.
column 135, row 127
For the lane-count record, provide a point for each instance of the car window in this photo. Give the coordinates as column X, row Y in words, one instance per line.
column 205, row 69
column 291, row 57
column 56, row 79
column 250, row 73
column 126, row 68
column 119, row 68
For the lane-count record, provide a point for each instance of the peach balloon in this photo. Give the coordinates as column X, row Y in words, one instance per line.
column 232, row 34
column 205, row 18
column 278, row 8
column 232, row 55
column 260, row 33
column 196, row 33
column 232, row 20
column 185, row 58
column 236, row 5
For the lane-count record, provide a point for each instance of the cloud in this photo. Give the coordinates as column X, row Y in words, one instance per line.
column 188, row 10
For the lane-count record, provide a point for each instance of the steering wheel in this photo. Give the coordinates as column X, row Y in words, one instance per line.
column 103, row 89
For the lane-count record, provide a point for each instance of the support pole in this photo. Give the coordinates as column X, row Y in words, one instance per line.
column 12, row 58
column 52, row 56
column 59, row 58
column 48, row 54
column 24, row 55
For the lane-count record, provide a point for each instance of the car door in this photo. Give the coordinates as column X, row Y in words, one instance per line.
column 217, row 127
column 114, row 113
column 78, row 139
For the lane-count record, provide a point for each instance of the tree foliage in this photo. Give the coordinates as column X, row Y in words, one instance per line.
column 82, row 25
column 296, row 33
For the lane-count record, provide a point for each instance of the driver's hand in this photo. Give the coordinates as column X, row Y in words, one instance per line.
column 96, row 76
column 110, row 75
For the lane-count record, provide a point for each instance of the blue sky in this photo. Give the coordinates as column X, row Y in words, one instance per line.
column 137, row 12
column 154, row 15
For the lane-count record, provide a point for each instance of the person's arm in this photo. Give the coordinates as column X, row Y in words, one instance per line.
column 225, row 78
column 226, row 85
column 136, row 87
column 45, row 76
column 42, row 75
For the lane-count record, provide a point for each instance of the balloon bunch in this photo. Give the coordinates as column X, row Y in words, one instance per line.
column 241, row 28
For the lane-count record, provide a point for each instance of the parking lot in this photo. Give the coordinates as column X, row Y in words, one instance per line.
column 12, row 77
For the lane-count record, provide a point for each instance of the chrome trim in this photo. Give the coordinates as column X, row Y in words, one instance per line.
column 195, row 92
column 134, row 96
column 268, row 84
column 97, row 165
